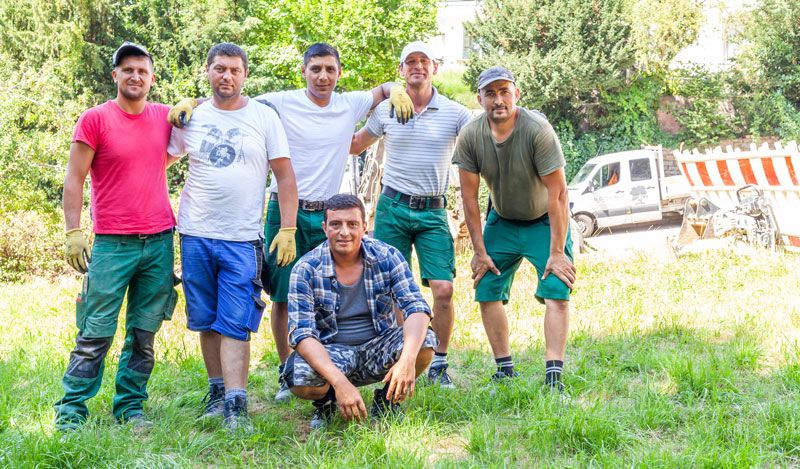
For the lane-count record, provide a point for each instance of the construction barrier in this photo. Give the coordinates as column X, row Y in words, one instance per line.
column 716, row 174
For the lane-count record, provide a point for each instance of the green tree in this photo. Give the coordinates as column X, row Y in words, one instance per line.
column 562, row 51
column 771, row 57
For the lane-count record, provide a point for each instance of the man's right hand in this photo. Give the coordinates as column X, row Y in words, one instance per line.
column 349, row 401
column 181, row 113
column 480, row 264
column 76, row 248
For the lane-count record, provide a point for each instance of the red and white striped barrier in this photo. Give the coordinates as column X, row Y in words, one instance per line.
column 717, row 174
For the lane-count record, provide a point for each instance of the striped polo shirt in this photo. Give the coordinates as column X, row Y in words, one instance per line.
column 418, row 154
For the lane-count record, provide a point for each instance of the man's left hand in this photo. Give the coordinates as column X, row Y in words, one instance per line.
column 559, row 265
column 400, row 104
column 181, row 113
column 401, row 378
column 285, row 244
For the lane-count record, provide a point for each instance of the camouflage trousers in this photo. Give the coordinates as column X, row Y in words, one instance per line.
column 362, row 364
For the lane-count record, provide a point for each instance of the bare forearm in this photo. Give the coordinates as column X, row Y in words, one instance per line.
column 287, row 194
column 314, row 353
column 472, row 216
column 361, row 141
column 558, row 212
column 73, row 202
column 414, row 329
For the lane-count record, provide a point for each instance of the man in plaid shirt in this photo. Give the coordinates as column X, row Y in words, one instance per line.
column 342, row 325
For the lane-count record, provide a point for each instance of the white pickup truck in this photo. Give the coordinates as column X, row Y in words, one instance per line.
column 627, row 187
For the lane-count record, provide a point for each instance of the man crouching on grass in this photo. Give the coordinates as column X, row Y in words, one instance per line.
column 342, row 325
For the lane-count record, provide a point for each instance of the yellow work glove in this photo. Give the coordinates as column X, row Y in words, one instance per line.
column 284, row 243
column 180, row 114
column 400, row 104
column 76, row 249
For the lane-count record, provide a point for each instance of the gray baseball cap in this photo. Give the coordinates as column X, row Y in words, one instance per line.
column 126, row 49
column 491, row 75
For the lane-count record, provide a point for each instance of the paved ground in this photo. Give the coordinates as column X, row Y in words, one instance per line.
column 626, row 240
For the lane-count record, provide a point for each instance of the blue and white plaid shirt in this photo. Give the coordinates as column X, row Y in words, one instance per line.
column 314, row 293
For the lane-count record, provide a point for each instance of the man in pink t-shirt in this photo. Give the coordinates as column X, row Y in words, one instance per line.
column 123, row 145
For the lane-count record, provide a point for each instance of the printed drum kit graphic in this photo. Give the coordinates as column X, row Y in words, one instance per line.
column 717, row 175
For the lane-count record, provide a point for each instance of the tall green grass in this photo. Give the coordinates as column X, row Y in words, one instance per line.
column 689, row 362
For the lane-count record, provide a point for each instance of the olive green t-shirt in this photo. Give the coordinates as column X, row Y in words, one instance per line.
column 512, row 169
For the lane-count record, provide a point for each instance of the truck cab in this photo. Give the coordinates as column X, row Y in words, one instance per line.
column 625, row 187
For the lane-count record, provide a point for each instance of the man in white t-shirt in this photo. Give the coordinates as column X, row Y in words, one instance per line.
column 232, row 143
column 319, row 126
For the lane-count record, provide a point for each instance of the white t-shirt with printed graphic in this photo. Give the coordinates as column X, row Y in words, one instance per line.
column 319, row 137
column 229, row 153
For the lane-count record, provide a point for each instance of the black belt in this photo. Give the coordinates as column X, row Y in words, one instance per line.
column 524, row 222
column 139, row 236
column 417, row 202
column 307, row 205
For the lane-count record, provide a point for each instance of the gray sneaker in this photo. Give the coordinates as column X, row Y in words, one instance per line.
column 283, row 394
column 438, row 375
column 214, row 402
column 138, row 423
column 323, row 414
column 236, row 419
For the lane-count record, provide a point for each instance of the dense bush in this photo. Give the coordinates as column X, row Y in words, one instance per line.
column 30, row 245
column 56, row 63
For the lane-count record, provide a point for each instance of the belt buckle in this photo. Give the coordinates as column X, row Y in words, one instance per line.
column 312, row 205
column 417, row 202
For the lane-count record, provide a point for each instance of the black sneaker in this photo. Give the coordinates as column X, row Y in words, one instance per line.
column 236, row 419
column 214, row 402
column 504, row 373
column 382, row 407
column 555, row 386
column 438, row 375
column 323, row 413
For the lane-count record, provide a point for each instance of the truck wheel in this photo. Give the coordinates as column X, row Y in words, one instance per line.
column 585, row 224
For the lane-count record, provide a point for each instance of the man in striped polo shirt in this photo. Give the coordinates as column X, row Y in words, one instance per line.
column 411, row 210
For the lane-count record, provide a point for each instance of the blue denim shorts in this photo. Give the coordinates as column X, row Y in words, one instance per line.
column 222, row 284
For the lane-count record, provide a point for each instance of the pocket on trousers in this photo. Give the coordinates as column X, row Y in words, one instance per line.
column 169, row 307
column 80, row 304
column 257, row 312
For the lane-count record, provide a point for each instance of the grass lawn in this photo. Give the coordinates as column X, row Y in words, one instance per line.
column 691, row 362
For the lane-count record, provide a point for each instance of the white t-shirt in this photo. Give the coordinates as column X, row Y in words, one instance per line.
column 229, row 153
column 319, row 137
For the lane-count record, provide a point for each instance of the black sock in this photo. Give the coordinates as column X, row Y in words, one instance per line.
column 552, row 371
column 329, row 396
column 505, row 364
column 439, row 360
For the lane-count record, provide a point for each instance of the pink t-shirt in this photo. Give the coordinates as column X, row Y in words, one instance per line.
column 128, row 173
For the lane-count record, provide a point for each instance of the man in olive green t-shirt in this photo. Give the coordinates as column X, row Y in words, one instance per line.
column 519, row 156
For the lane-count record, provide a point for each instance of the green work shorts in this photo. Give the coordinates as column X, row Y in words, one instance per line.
column 120, row 263
column 507, row 242
column 309, row 235
column 427, row 230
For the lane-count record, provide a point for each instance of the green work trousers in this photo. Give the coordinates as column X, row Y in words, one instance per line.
column 142, row 268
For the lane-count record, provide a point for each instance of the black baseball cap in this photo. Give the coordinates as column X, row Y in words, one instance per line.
column 126, row 49
column 491, row 75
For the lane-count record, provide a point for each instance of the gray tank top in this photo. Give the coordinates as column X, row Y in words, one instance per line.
column 354, row 319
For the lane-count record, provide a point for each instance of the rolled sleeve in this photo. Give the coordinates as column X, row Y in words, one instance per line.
column 301, row 306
